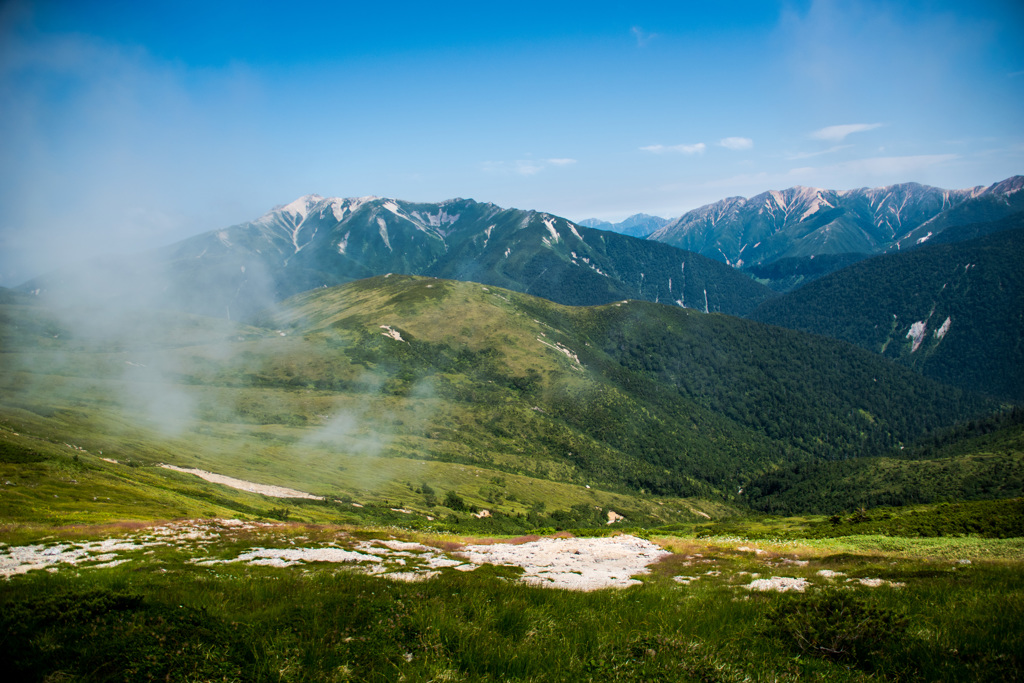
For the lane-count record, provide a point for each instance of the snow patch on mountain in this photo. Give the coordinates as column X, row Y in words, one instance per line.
column 816, row 202
column 300, row 207
column 384, row 232
column 549, row 223
column 338, row 208
column 917, row 332
column 392, row 206
column 442, row 217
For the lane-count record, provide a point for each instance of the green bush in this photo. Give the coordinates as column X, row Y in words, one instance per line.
column 835, row 624
column 454, row 501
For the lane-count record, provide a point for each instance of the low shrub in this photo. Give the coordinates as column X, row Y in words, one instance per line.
column 835, row 624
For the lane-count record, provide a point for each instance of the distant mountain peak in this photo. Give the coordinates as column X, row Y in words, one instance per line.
column 1011, row 185
column 805, row 221
column 637, row 225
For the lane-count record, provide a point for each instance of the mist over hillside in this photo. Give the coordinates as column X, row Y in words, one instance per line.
column 352, row 386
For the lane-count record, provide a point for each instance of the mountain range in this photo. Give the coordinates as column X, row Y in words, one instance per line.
column 802, row 222
column 316, row 242
column 781, row 238
column 384, row 334
column 320, row 242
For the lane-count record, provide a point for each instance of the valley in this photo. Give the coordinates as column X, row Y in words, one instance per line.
column 470, row 457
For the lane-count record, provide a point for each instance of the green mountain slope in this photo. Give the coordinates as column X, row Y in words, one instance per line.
column 788, row 273
column 371, row 390
column 979, row 460
column 954, row 312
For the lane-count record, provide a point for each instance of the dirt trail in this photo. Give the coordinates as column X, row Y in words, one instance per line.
column 243, row 485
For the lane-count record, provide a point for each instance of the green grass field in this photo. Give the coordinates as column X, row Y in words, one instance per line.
column 948, row 610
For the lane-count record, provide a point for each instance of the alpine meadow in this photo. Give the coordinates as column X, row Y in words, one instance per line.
column 657, row 405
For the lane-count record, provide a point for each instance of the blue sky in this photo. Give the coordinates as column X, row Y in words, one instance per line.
column 127, row 125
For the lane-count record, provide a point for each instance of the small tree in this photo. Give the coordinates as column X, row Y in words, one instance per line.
column 454, row 501
column 860, row 515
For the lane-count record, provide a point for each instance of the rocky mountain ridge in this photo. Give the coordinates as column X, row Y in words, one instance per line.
column 317, row 242
column 807, row 221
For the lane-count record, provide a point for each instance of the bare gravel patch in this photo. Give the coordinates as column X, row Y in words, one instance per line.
column 243, row 485
column 573, row 563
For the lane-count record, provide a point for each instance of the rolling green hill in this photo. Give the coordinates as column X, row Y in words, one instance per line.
column 396, row 391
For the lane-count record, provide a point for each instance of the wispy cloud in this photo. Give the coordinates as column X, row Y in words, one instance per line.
column 868, row 172
column 643, row 38
column 889, row 166
column 808, row 155
column 524, row 167
column 839, row 133
column 689, row 150
column 736, row 143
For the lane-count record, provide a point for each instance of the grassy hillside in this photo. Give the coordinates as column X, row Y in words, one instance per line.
column 394, row 392
column 413, row 405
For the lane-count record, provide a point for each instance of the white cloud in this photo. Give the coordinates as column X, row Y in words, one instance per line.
column 528, row 167
column 808, row 155
column 894, row 166
column 689, row 150
column 736, row 143
column 839, row 133
column 869, row 172
column 525, row 167
column 642, row 37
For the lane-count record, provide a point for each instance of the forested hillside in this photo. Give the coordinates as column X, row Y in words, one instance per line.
column 954, row 312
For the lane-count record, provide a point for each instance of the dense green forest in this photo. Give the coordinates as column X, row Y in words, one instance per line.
column 785, row 274
column 978, row 459
column 953, row 312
